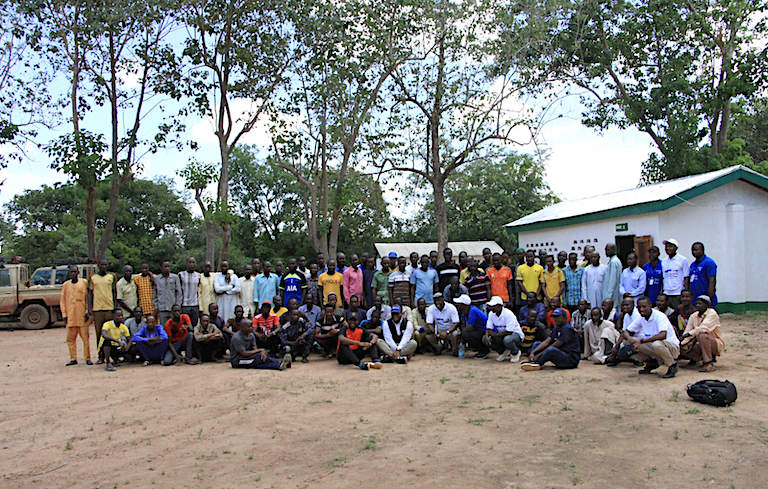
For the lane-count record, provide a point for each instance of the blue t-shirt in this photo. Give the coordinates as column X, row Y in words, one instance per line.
column 653, row 276
column 699, row 272
column 476, row 318
column 571, row 345
column 293, row 285
column 424, row 282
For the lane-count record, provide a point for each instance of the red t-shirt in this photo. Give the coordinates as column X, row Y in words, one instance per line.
column 265, row 325
column 356, row 335
column 499, row 279
column 551, row 321
column 175, row 330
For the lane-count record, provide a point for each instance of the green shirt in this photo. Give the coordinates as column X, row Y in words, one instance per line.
column 380, row 282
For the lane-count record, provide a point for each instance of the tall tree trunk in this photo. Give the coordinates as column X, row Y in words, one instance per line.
column 210, row 239
column 226, row 227
column 90, row 222
column 441, row 216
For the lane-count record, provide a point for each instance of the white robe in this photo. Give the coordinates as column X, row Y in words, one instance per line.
column 594, row 346
column 246, row 296
column 227, row 294
column 592, row 285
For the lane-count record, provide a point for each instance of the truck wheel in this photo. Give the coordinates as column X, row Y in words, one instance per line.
column 34, row 316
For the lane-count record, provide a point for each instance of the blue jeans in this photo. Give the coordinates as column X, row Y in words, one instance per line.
column 512, row 343
column 153, row 353
column 185, row 344
column 557, row 356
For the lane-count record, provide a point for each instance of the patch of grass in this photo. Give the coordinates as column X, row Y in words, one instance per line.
column 478, row 421
column 675, row 396
column 677, row 434
column 469, row 375
column 693, row 411
column 709, row 435
column 650, row 470
column 565, row 438
column 565, row 407
column 529, row 399
column 575, row 478
column 617, row 416
column 68, row 446
column 337, row 462
column 371, row 443
column 322, row 401
column 443, row 380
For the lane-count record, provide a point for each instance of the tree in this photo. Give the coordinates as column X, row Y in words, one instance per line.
column 487, row 195
column 450, row 108
column 349, row 51
column 671, row 69
column 750, row 124
column 237, row 52
column 100, row 47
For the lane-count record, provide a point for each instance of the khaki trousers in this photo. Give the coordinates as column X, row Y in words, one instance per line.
column 407, row 350
column 703, row 347
column 660, row 350
column 72, row 333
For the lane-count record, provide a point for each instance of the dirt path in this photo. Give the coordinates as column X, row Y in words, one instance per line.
column 437, row 422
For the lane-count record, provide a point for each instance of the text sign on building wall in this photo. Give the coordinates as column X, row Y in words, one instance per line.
column 622, row 227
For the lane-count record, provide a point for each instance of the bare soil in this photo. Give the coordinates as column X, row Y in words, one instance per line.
column 436, row 422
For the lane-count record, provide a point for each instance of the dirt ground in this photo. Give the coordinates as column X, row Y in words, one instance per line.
column 437, row 422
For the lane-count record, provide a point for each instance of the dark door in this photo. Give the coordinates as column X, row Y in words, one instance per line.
column 624, row 244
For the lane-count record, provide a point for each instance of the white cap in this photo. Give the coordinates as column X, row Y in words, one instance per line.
column 495, row 301
column 671, row 241
column 463, row 299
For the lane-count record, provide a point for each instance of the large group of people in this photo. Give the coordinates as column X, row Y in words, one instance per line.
column 528, row 307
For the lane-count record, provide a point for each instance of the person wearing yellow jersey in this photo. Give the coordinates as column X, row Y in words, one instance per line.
column 115, row 338
column 102, row 298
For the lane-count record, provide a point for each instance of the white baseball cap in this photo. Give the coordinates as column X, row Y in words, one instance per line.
column 671, row 241
column 463, row 299
column 495, row 301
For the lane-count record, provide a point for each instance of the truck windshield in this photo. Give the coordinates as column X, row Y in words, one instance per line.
column 41, row 277
column 62, row 275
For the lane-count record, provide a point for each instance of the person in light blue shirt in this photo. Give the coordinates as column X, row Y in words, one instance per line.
column 633, row 279
column 423, row 282
column 266, row 284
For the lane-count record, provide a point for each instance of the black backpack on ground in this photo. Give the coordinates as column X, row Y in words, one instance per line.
column 714, row 392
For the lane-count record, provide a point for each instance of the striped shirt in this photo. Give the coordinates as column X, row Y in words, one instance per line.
column 478, row 288
column 572, row 294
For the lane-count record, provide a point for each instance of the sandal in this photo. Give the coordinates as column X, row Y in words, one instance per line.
column 192, row 361
column 109, row 368
column 147, row 362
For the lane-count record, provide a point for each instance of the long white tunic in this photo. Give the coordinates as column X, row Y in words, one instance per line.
column 246, row 296
column 592, row 284
column 227, row 294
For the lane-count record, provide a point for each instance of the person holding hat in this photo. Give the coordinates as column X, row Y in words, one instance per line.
column 355, row 343
column 442, row 325
column 675, row 270
column 702, row 339
column 473, row 321
column 398, row 344
column 562, row 348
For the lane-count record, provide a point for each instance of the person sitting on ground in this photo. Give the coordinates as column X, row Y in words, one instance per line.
column 454, row 289
column 600, row 336
column 385, row 311
column 655, row 339
column 354, row 307
column 662, row 304
column 702, row 339
column 442, row 325
column 265, row 327
column 296, row 336
column 406, row 310
column 245, row 353
column 609, row 311
column 502, row 332
column 134, row 324
column 311, row 310
column 292, row 304
column 554, row 302
column 334, row 301
column 374, row 325
column 151, row 341
column 532, row 303
column 355, row 343
column 580, row 317
column 208, row 339
column 419, row 320
column 180, row 337
column 562, row 348
column 533, row 331
column 473, row 324
column 398, row 344
column 622, row 352
column 278, row 309
column 684, row 311
column 233, row 323
column 115, row 339
column 327, row 330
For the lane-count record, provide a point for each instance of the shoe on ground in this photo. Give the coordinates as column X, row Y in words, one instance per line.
column 375, row 364
column 402, row 360
column 304, row 360
column 692, row 363
column 71, row 362
column 707, row 367
column 283, row 363
column 363, row 366
column 530, row 366
column 503, row 356
column 650, row 366
column 671, row 371
column 193, row 361
column 514, row 358
column 482, row 355
column 387, row 359
column 88, row 362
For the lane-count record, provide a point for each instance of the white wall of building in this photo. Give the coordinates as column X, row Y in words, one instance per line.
column 731, row 221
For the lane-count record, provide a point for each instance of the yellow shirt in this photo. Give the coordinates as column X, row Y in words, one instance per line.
column 552, row 281
column 102, row 288
column 531, row 277
column 331, row 283
column 117, row 333
column 465, row 273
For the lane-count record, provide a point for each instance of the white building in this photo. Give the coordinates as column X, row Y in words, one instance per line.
column 727, row 210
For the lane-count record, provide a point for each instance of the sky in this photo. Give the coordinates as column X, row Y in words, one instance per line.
column 581, row 163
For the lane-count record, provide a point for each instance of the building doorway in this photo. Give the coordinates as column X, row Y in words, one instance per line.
column 624, row 245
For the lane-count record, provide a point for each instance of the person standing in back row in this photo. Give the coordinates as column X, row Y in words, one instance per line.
column 702, row 274
column 446, row 270
column 74, row 310
column 654, row 275
column 167, row 292
column 675, row 269
column 612, row 277
column 190, row 290
column 102, row 299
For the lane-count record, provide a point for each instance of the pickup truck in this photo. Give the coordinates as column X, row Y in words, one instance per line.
column 34, row 301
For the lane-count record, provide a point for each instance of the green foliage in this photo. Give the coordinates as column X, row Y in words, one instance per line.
column 149, row 224
column 485, row 196
column 750, row 124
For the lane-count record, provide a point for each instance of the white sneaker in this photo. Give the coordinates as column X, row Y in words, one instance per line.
column 503, row 356
column 515, row 358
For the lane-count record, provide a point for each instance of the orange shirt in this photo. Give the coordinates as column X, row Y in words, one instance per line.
column 499, row 279
column 265, row 325
column 175, row 330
